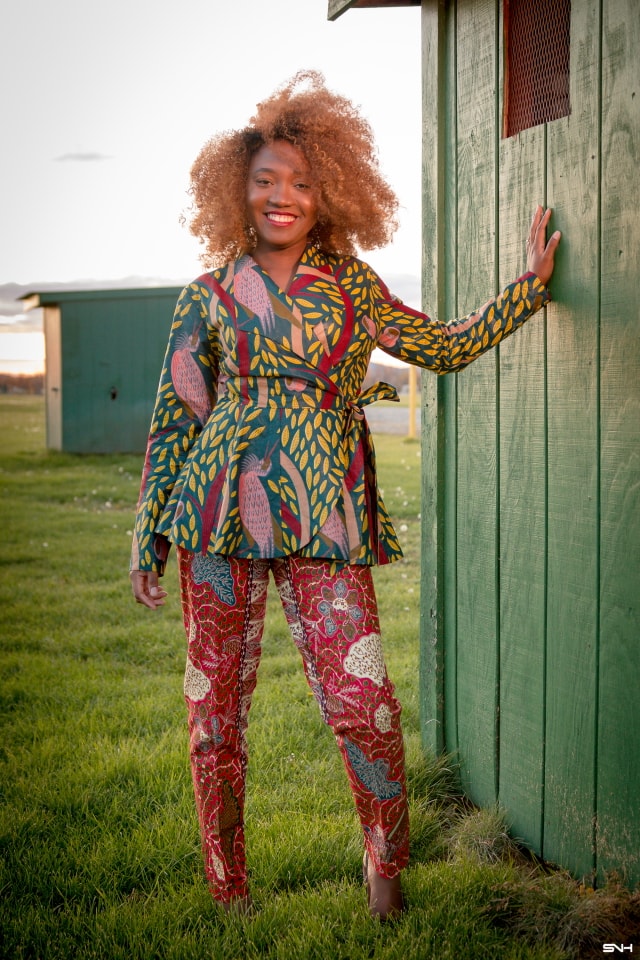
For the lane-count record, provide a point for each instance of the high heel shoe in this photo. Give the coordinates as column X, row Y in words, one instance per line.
column 384, row 897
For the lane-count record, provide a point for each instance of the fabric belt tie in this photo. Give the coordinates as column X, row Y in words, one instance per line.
column 301, row 392
column 378, row 391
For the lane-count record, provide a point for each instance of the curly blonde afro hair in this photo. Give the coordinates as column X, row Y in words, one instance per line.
column 356, row 206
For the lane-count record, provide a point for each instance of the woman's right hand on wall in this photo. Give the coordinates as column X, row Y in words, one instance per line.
column 540, row 253
column 146, row 589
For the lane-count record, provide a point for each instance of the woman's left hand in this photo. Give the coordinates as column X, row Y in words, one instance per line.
column 146, row 589
column 540, row 254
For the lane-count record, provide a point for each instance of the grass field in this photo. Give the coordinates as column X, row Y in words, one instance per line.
column 99, row 847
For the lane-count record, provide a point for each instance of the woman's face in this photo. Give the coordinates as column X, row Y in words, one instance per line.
column 282, row 201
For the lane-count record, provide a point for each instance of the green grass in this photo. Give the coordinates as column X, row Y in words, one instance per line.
column 98, row 837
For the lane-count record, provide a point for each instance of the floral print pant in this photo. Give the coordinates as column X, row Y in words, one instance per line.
column 332, row 614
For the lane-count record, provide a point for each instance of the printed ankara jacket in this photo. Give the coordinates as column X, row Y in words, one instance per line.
column 259, row 446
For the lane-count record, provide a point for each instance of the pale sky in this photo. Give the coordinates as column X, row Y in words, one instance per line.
column 105, row 106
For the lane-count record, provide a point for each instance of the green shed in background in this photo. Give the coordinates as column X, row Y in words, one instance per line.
column 104, row 352
column 530, row 632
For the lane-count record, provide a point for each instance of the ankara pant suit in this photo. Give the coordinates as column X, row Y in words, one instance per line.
column 260, row 462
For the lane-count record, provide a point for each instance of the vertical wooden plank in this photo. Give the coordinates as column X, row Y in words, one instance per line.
column 618, row 837
column 448, row 256
column 572, row 378
column 53, row 375
column 77, row 374
column 476, row 403
column 522, row 521
column 110, row 328
column 432, row 643
column 438, row 664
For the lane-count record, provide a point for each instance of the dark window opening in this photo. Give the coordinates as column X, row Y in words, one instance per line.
column 536, row 77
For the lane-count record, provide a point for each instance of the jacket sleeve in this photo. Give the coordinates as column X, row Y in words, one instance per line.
column 444, row 347
column 186, row 395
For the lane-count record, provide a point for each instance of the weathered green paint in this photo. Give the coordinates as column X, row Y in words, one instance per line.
column 531, row 514
column 104, row 355
column 475, row 406
column 618, row 750
column 432, row 594
column 573, row 459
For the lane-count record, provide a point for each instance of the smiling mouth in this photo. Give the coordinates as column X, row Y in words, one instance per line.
column 282, row 218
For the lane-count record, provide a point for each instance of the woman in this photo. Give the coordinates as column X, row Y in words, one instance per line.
column 260, row 459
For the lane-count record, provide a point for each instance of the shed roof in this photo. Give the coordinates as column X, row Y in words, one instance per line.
column 57, row 297
column 338, row 7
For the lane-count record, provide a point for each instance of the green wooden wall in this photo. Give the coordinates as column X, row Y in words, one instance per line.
column 104, row 356
column 531, row 581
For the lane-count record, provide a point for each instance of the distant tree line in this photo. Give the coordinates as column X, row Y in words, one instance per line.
column 31, row 383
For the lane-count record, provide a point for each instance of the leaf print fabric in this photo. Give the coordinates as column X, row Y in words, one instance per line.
column 215, row 571
column 284, row 462
column 372, row 773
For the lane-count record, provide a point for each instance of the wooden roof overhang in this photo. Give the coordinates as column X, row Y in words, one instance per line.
column 338, row 7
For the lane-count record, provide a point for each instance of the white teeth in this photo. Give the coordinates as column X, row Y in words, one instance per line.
column 280, row 217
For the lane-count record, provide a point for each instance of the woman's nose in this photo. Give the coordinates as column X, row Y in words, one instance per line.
column 281, row 194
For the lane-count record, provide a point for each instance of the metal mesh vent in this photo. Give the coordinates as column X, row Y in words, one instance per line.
column 536, row 82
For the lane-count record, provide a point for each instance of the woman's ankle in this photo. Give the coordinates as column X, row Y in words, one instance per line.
column 386, row 900
column 238, row 906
